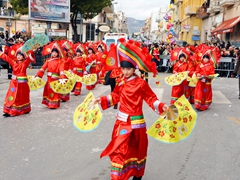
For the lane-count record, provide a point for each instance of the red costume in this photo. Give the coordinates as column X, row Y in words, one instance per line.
column 92, row 63
column 191, row 90
column 17, row 99
column 66, row 65
column 79, row 68
column 203, row 90
column 156, row 54
column 179, row 90
column 50, row 98
column 128, row 148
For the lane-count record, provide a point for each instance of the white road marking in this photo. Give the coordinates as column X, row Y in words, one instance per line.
column 219, row 98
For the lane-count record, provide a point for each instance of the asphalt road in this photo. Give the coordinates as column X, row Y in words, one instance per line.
column 44, row 145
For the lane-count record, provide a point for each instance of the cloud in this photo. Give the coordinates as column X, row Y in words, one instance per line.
column 139, row 9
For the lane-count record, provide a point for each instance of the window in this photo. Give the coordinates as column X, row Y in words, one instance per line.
column 90, row 30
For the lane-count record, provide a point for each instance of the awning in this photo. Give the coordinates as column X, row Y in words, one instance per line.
column 226, row 26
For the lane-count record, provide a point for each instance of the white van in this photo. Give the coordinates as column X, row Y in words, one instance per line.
column 112, row 38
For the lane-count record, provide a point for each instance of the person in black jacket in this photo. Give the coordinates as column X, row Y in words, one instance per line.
column 237, row 71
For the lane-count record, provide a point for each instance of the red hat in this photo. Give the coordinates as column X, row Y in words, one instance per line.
column 92, row 47
column 47, row 49
column 102, row 45
column 175, row 53
column 212, row 52
column 68, row 46
column 79, row 47
column 16, row 49
column 139, row 58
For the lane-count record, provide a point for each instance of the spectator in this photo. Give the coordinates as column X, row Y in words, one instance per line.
column 237, row 72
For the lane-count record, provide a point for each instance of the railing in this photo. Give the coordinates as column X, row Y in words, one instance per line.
column 6, row 13
column 225, row 67
column 227, row 3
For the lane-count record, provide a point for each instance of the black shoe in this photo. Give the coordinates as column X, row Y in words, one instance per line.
column 115, row 106
column 137, row 178
column 6, row 115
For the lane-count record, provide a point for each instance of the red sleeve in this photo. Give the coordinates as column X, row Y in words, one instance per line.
column 6, row 58
column 110, row 100
column 40, row 72
column 151, row 99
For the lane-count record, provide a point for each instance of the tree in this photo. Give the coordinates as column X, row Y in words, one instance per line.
column 20, row 6
column 88, row 9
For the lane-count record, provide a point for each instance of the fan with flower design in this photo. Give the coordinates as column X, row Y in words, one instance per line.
column 174, row 80
column 87, row 116
column 175, row 125
column 63, row 86
column 88, row 79
column 35, row 83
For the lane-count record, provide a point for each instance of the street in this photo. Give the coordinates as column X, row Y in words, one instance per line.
column 44, row 145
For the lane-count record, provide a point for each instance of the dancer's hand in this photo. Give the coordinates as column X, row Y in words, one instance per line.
column 165, row 107
column 96, row 101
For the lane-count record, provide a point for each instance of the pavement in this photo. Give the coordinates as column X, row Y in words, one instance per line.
column 44, row 144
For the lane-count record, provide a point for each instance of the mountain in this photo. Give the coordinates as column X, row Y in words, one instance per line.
column 134, row 25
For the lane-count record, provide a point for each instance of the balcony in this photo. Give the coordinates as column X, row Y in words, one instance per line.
column 171, row 7
column 177, row 2
column 6, row 14
column 190, row 10
column 109, row 9
column 176, row 19
column 214, row 9
column 227, row 3
column 202, row 13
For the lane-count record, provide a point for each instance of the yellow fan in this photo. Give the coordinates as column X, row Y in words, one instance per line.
column 63, row 86
column 87, row 116
column 214, row 76
column 193, row 81
column 71, row 75
column 35, row 83
column 174, row 80
column 176, row 124
column 89, row 79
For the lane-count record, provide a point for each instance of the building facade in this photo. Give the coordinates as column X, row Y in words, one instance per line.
column 87, row 30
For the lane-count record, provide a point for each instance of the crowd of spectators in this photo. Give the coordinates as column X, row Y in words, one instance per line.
column 228, row 50
column 7, row 11
column 6, row 41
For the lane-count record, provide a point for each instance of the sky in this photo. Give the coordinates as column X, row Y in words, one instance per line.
column 139, row 9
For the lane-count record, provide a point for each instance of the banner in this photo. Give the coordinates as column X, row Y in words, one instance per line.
column 49, row 10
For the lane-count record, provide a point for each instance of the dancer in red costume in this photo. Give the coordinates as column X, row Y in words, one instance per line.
column 92, row 63
column 50, row 98
column 66, row 65
column 17, row 101
column 128, row 147
column 192, row 65
column 180, row 66
column 79, row 69
column 203, row 90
